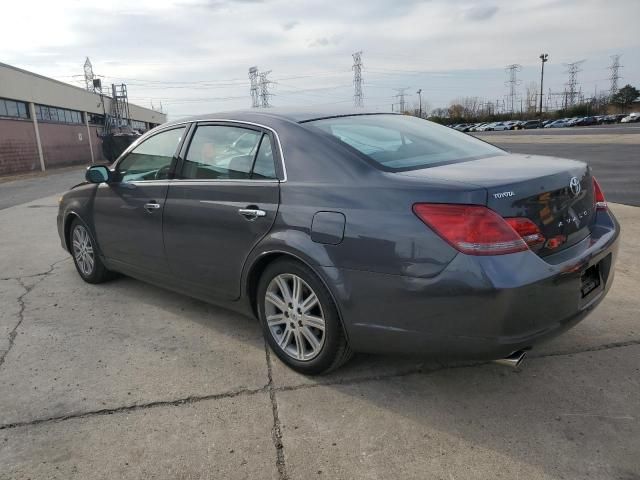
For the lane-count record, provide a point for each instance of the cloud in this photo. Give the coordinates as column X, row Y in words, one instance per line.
column 290, row 25
column 481, row 12
column 195, row 54
column 325, row 41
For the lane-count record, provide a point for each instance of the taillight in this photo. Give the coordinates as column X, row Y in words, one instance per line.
column 598, row 196
column 471, row 229
column 528, row 230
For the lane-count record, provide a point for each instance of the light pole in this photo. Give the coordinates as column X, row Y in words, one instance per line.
column 544, row 57
column 419, row 92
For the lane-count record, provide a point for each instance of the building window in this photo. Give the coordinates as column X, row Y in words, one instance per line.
column 138, row 125
column 58, row 115
column 13, row 109
column 96, row 119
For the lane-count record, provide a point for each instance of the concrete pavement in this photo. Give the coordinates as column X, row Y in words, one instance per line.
column 126, row 380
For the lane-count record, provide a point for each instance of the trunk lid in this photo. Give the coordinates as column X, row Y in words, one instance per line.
column 554, row 193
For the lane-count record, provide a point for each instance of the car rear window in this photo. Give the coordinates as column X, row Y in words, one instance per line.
column 402, row 142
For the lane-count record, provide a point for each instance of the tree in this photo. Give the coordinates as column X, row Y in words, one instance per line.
column 625, row 96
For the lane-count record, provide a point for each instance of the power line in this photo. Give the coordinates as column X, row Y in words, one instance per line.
column 357, row 80
column 400, row 96
column 255, row 95
column 88, row 75
column 512, row 83
column 615, row 75
column 264, row 89
column 572, row 92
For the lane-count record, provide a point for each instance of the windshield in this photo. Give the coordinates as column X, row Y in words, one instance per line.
column 402, row 142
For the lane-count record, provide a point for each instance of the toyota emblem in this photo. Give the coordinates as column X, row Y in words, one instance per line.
column 574, row 185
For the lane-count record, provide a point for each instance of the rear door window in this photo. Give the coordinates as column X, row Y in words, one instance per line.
column 222, row 152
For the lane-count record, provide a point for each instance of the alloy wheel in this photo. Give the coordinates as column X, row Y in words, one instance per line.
column 83, row 250
column 294, row 316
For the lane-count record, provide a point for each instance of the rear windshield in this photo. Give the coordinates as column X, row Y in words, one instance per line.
column 402, row 142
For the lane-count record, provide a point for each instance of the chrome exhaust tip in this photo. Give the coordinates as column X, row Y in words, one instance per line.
column 514, row 360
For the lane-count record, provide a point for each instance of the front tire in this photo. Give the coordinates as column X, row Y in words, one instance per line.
column 85, row 255
column 300, row 320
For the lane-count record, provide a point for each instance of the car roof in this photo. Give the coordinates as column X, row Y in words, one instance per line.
column 269, row 116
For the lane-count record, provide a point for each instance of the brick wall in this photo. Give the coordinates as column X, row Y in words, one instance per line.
column 64, row 145
column 18, row 151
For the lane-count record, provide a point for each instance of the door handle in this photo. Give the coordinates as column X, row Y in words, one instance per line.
column 151, row 206
column 252, row 213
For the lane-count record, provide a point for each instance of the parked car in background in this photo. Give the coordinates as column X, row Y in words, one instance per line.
column 438, row 243
column 475, row 127
column 587, row 121
column 557, row 124
column 529, row 124
column 631, row 118
column 500, row 126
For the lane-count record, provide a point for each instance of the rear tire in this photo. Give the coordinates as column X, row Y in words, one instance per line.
column 300, row 320
column 85, row 255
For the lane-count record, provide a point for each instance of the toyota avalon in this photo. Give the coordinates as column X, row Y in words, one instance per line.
column 351, row 232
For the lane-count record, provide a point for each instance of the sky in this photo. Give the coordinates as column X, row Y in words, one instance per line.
column 192, row 56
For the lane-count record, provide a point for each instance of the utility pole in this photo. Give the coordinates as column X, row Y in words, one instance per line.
column 544, row 57
column 358, row 97
column 419, row 92
column 400, row 96
column 253, row 90
column 264, row 89
column 615, row 75
column 88, row 75
column 513, row 81
column 572, row 69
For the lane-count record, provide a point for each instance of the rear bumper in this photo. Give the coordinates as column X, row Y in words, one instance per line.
column 478, row 307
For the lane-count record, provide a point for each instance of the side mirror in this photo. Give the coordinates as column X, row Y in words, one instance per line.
column 98, row 174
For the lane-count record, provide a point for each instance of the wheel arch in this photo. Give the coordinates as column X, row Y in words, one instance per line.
column 68, row 221
column 259, row 265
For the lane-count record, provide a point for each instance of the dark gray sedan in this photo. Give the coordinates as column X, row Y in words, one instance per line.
column 353, row 232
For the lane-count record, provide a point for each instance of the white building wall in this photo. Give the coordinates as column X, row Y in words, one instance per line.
column 17, row 84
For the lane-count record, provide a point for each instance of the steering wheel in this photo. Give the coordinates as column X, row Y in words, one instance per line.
column 162, row 173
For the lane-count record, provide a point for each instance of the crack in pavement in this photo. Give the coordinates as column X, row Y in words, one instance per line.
column 276, row 431
column 27, row 289
column 272, row 390
column 42, row 274
column 132, row 408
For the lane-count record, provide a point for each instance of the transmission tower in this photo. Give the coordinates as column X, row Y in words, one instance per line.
column 358, row 97
column 254, row 90
column 264, row 89
column 88, row 75
column 400, row 96
column 572, row 69
column 615, row 75
column 512, row 83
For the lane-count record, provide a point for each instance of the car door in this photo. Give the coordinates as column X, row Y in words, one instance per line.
column 128, row 212
column 223, row 201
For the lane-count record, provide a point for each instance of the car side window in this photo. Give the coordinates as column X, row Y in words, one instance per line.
column 151, row 160
column 221, row 152
column 264, row 167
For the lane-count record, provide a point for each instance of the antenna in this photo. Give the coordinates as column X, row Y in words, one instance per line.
column 357, row 80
